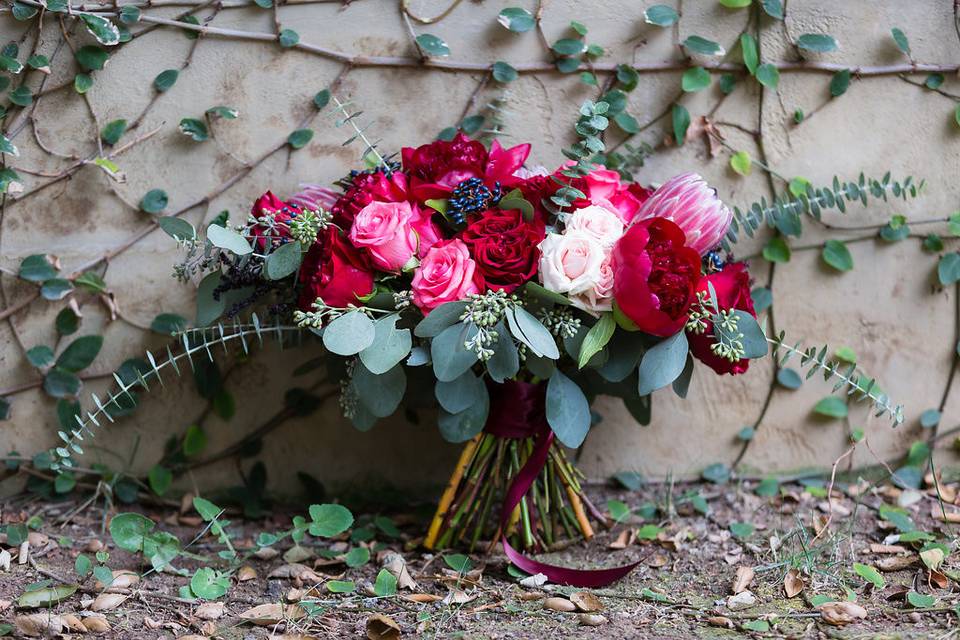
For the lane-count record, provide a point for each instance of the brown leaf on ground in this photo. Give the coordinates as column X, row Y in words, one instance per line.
column 586, row 601
column 626, row 538
column 121, row 580
column 266, row 553
column 885, row 548
column 458, row 596
column 267, row 614
column 841, row 613
column 96, row 624
column 39, row 625
column 559, row 604
column 793, row 583
column 107, row 601
column 944, row 516
column 296, row 571
column 896, row 563
column 72, row 623
column 210, row 611
column 296, row 553
column 246, row 572
column 422, row 598
column 591, row 619
column 381, row 627
column 720, row 621
column 395, row 564
column 742, row 580
column 527, row 596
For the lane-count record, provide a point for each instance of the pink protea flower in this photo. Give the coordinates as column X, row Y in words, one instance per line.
column 315, row 196
column 689, row 202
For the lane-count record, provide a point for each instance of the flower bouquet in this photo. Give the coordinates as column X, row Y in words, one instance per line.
column 506, row 296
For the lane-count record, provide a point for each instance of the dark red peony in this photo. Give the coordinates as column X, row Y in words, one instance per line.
column 732, row 286
column 504, row 246
column 272, row 215
column 655, row 276
column 435, row 169
column 366, row 188
column 335, row 271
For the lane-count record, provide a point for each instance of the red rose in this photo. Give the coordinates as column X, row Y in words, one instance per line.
column 655, row 276
column 272, row 215
column 367, row 188
column 437, row 168
column 732, row 286
column 335, row 271
column 504, row 246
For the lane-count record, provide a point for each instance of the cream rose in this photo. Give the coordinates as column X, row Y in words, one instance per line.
column 599, row 297
column 598, row 222
column 571, row 263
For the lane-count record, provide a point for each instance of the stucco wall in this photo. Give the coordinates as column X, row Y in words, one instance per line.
column 888, row 309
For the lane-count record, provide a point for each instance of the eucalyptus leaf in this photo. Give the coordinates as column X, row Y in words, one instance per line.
column 663, row 363
column 228, row 239
column 527, row 329
column 505, row 361
column 283, row 261
column 380, row 394
column 448, row 353
column 460, row 427
column 389, row 347
column 568, row 411
column 349, row 334
column 460, row 393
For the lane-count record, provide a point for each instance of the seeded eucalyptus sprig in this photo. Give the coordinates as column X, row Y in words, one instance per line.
column 865, row 388
column 370, row 154
column 785, row 212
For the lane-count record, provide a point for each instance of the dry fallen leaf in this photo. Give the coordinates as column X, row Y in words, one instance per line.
column 395, row 564
column 626, row 538
column 458, row 596
column 209, row 611
column 266, row 553
column 535, row 581
column 121, row 580
column 296, row 571
column 841, row 613
column 422, row 598
column 586, row 601
column 72, row 623
column 793, row 583
column 559, row 604
column 5, row 559
column 591, row 619
column 886, row 548
column 96, row 624
column 895, row 563
column 296, row 553
column 246, row 572
column 741, row 581
column 267, row 614
column 720, row 621
column 657, row 560
column 527, row 596
column 381, row 627
column 107, row 601
column 39, row 625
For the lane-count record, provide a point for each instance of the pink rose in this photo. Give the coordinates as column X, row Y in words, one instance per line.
column 446, row 273
column 384, row 230
column 605, row 189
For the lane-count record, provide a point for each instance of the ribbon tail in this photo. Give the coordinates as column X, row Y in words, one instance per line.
column 584, row 578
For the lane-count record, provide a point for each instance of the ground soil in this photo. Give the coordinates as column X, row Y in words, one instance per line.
column 680, row 589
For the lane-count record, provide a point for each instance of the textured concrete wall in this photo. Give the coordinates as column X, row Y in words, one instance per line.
column 888, row 309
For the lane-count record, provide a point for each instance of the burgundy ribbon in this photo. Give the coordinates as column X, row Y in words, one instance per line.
column 518, row 410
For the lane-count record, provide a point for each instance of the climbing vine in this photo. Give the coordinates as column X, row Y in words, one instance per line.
column 82, row 38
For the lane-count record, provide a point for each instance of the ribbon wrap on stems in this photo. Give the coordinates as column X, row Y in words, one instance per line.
column 518, row 410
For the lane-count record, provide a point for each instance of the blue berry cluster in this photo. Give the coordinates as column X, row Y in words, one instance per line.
column 471, row 196
column 713, row 262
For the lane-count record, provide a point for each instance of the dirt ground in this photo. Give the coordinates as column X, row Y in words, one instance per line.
column 693, row 541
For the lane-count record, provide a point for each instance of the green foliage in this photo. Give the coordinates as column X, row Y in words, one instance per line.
column 568, row 411
column 660, row 15
column 288, row 38
column 680, row 118
column 113, row 130
column 516, row 19
column 698, row 44
column 695, row 79
column 858, row 386
column 299, row 138
column 503, row 72
column 194, row 129
column 784, row 213
column 817, row 42
column 432, row 45
column 837, row 255
column 154, row 201
column 165, row 80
